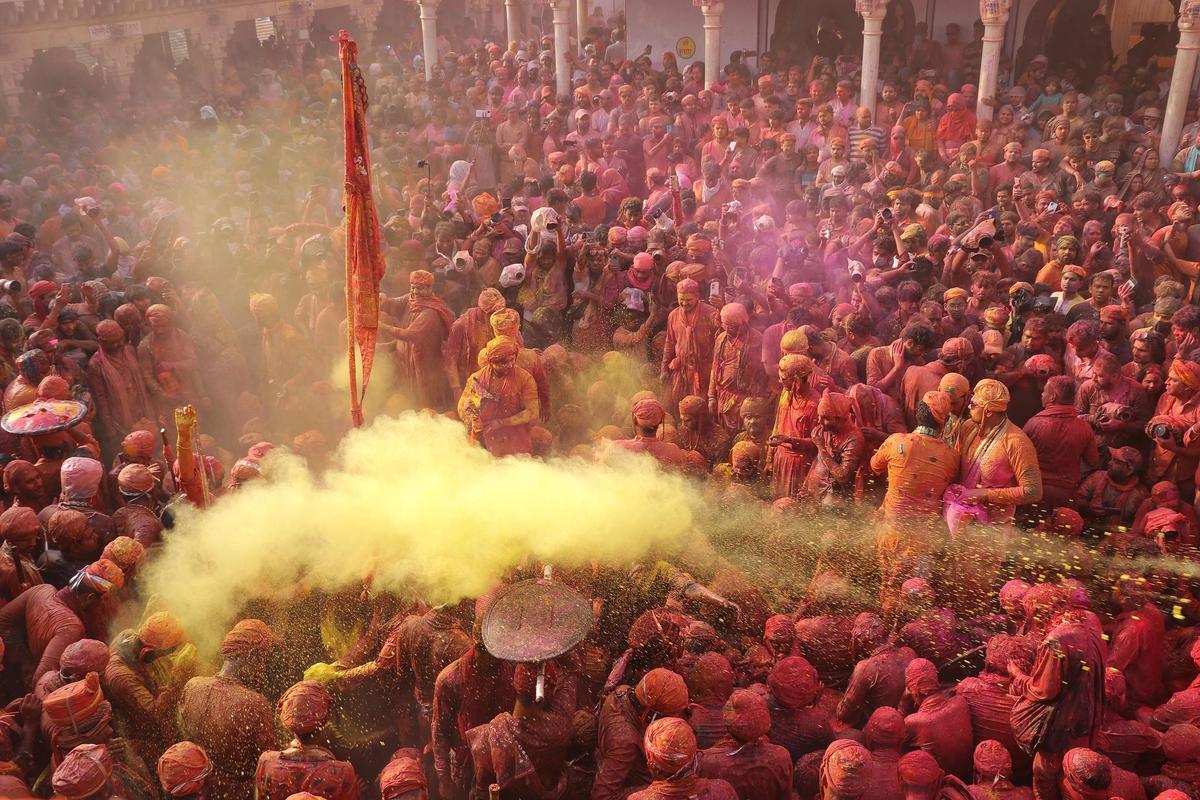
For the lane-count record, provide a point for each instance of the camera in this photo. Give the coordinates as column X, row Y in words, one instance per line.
column 858, row 272
column 10, row 286
column 886, row 215
column 422, row 164
column 1161, row 430
column 1052, row 207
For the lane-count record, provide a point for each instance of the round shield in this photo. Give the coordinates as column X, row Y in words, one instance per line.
column 535, row 620
column 43, row 416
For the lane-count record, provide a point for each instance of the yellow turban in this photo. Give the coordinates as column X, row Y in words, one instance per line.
column 794, row 341
column 991, row 395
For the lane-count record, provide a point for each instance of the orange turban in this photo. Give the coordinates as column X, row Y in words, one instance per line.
column 247, row 637
column 183, row 768
column 662, row 691
column 648, row 411
column 1186, row 372
column 484, row 205
column 954, row 294
column 124, row 552
column 992, row 395
column 83, row 773
column 499, row 348
column 420, row 277
column 138, row 444
column 670, row 746
column 101, row 576
column 159, row 313
column 161, row 631
column 939, row 404
column 53, row 387
column 304, row 707
column 744, row 451
column 261, row 303
column 693, row 405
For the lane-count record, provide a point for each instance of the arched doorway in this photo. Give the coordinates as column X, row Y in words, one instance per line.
column 58, row 69
column 1053, row 28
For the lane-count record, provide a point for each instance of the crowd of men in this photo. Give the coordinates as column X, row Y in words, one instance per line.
column 956, row 336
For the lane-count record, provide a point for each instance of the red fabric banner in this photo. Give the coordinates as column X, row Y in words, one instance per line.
column 364, row 259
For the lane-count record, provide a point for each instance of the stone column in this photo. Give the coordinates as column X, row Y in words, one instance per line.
column 872, row 13
column 366, row 14
column 712, row 40
column 994, row 14
column 512, row 19
column 581, row 20
column 1181, row 79
column 562, row 43
column 212, row 41
column 12, row 81
column 429, row 40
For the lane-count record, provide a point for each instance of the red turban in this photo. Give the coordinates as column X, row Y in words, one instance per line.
column 700, row 632
column 653, row 625
column 182, row 769
column 648, row 411
column 917, row 593
column 992, row 760
column 1181, row 743
column 662, row 691
column 1115, row 688
column 919, row 769
column 794, row 682
column 83, row 773
column 746, row 715
column 138, row 444
column 247, row 637
column 402, row 774
column 833, row 404
column 1044, row 599
column 1085, row 770
column 304, row 707
column 13, row 470
column 710, row 680
column 18, row 522
column 885, row 728
column 670, row 746
column 66, row 528
column 1066, row 522
column 921, row 677
column 734, row 313
column 420, row 277
column 779, row 628
column 81, row 477
column 134, row 480
column 80, row 658
column 845, row 769
column 1011, row 594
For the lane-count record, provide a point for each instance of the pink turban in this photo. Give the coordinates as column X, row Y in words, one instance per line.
column 81, row 477
column 734, row 313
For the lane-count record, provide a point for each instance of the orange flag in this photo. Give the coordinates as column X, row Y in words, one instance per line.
column 364, row 259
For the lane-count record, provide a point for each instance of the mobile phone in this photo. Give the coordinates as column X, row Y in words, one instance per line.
column 506, row 202
column 482, row 113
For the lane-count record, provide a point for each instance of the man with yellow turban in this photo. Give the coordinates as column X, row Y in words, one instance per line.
column 1175, row 457
column 499, row 404
column 919, row 467
column 423, row 325
column 999, row 471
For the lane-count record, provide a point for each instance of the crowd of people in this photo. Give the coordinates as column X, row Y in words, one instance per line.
column 955, row 336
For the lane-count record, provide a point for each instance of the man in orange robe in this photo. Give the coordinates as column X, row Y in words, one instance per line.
column 687, row 353
column 795, row 417
column 423, row 325
column 469, row 335
column 737, row 370
column 500, row 402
